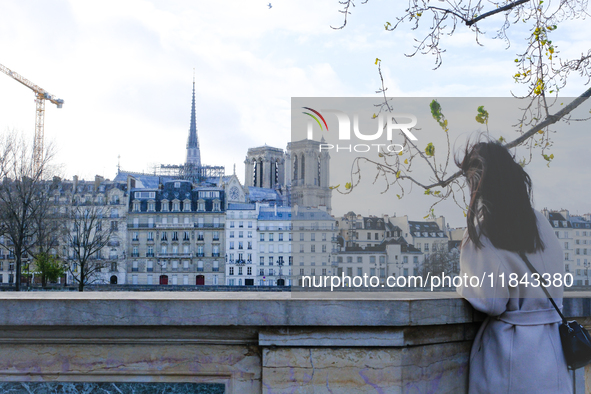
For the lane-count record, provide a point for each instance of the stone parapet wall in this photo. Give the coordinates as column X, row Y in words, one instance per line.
column 251, row 342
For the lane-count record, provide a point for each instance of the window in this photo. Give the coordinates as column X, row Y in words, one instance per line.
column 150, row 235
column 313, row 237
column 186, row 236
column 200, row 266
column 216, row 266
column 270, row 260
column 134, row 267
column 164, row 236
column 323, row 248
column 135, row 252
column 261, row 260
column 271, row 237
column 249, row 271
column 200, row 252
column 301, row 236
column 240, row 245
column 261, row 271
column 149, row 266
column 368, row 236
column 175, row 236
column 150, row 251
column 262, row 237
column 231, row 271
column 136, row 236
column 359, row 271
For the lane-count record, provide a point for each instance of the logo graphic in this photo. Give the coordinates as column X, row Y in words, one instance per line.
column 386, row 122
column 315, row 118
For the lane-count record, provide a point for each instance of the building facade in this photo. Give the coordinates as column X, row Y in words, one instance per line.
column 176, row 235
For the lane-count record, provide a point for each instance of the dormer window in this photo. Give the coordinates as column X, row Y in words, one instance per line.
column 151, row 206
column 187, row 206
column 176, row 206
column 164, row 207
column 201, row 206
column 177, row 185
column 216, row 206
column 555, row 223
column 136, row 206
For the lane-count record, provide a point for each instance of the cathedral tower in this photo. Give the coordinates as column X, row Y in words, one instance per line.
column 309, row 174
column 193, row 153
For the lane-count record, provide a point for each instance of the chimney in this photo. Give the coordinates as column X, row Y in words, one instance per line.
column 97, row 181
column 75, row 186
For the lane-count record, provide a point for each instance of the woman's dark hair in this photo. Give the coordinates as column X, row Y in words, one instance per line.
column 500, row 199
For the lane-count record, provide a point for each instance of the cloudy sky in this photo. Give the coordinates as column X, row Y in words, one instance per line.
column 125, row 68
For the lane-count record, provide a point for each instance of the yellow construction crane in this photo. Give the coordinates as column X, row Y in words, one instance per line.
column 40, row 96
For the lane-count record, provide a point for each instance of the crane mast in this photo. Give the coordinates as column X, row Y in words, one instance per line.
column 40, row 96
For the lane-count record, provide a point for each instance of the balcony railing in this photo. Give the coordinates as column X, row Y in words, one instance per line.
column 174, row 225
column 174, row 255
column 215, row 255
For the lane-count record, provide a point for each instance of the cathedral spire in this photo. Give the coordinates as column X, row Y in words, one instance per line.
column 193, row 153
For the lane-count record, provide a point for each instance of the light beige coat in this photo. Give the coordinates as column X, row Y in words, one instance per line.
column 517, row 349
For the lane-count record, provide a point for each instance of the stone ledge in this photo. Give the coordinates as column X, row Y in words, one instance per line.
column 247, row 309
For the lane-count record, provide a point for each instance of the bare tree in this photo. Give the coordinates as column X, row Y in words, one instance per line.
column 441, row 261
column 540, row 69
column 85, row 235
column 23, row 196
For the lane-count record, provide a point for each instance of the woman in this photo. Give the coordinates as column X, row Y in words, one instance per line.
column 518, row 348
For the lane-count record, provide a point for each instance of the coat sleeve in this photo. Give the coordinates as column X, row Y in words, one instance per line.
column 487, row 295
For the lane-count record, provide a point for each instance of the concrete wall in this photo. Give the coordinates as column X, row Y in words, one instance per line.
column 251, row 342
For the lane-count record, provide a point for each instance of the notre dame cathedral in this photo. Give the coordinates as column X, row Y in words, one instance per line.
column 300, row 174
